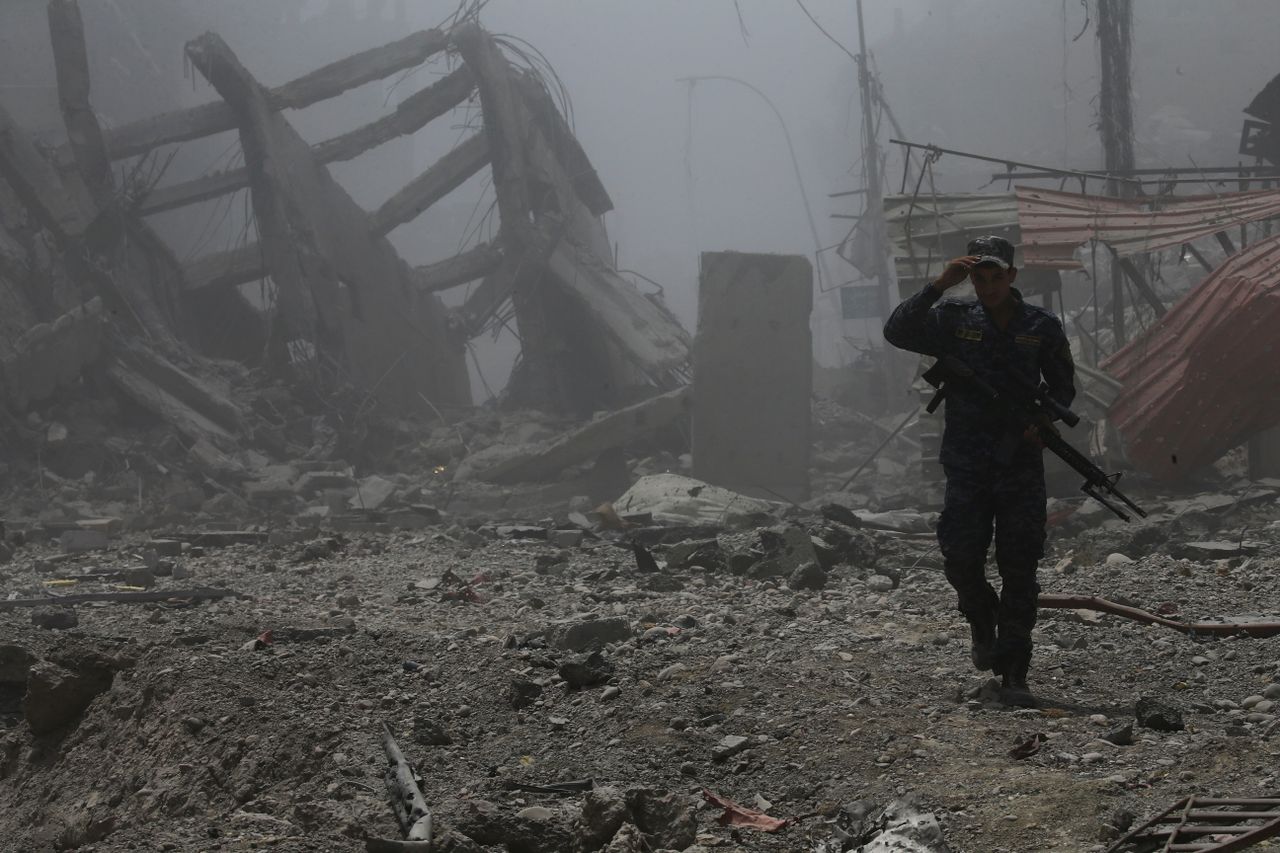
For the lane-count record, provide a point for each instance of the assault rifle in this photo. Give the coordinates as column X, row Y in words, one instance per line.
column 1030, row 406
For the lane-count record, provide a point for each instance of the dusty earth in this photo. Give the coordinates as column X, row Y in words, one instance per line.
column 713, row 673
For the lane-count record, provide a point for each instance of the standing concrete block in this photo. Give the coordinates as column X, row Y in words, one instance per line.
column 753, row 374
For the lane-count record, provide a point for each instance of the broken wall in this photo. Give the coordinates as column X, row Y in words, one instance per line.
column 753, row 374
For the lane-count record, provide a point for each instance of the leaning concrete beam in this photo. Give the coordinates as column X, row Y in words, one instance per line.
column 339, row 287
column 645, row 333
column 613, row 430
column 410, row 116
column 226, row 269
column 141, row 136
column 506, row 128
column 71, row 63
column 476, row 262
column 35, row 182
column 564, row 145
column 443, row 177
column 517, row 268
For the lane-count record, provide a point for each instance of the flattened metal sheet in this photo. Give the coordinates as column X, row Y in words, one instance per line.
column 926, row 230
column 1205, row 377
column 1054, row 224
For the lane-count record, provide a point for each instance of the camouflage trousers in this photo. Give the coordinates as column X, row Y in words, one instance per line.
column 1008, row 502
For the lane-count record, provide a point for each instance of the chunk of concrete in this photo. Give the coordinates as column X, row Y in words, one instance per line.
column 592, row 634
column 57, row 697
column 372, row 492
column 80, row 541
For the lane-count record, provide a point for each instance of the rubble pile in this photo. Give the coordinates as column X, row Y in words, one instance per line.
column 793, row 662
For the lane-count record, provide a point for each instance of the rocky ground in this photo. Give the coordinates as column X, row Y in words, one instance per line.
column 808, row 666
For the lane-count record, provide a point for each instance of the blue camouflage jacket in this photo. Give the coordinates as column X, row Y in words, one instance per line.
column 1034, row 344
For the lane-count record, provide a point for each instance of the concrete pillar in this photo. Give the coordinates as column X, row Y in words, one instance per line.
column 753, row 374
column 1264, row 454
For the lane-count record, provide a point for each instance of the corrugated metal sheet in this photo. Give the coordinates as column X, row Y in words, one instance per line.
column 925, row 231
column 1206, row 377
column 1054, row 224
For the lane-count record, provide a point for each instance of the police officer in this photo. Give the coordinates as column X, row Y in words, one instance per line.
column 990, row 489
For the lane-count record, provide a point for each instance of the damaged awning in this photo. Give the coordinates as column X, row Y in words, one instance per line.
column 1203, row 379
column 925, row 230
column 1055, row 224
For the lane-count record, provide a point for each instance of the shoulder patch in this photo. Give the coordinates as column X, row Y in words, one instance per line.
column 968, row 334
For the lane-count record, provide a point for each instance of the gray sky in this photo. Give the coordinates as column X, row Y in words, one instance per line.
column 1004, row 77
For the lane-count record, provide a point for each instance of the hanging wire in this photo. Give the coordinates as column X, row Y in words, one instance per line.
column 742, row 24
column 823, row 30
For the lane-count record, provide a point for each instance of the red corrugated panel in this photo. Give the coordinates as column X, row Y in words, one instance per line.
column 1054, row 224
column 1206, row 376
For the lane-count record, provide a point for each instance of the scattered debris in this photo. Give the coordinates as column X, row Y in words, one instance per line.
column 1206, row 823
column 1028, row 746
column 740, row 816
column 406, row 797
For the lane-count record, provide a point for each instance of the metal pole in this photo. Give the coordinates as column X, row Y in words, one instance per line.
column 1115, row 121
column 871, row 159
column 872, row 458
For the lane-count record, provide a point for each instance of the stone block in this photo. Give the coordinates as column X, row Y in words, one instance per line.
column 753, row 374
column 79, row 541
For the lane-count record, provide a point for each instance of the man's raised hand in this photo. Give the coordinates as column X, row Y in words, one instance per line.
column 956, row 271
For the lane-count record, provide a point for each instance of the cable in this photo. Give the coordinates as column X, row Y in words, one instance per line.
column 822, row 30
column 742, row 24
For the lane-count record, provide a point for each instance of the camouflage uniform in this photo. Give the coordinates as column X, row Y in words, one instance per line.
column 987, row 490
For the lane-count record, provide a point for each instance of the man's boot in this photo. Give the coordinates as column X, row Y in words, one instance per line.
column 982, row 634
column 1012, row 669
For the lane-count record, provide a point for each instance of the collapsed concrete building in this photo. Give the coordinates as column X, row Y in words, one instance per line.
column 91, row 291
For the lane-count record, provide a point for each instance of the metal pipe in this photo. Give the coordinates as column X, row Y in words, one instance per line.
column 970, row 156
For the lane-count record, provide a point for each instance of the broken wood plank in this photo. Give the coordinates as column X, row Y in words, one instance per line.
column 443, row 177
column 410, row 116
column 476, row 262
column 226, row 269
column 334, row 79
column 1224, row 240
column 202, row 593
column 616, row 429
column 71, row 65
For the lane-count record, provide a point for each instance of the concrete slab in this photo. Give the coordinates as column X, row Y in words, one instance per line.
column 753, row 374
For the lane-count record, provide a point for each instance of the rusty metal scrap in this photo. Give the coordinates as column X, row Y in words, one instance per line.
column 1220, row 629
column 1206, row 824
column 1203, row 379
column 1054, row 224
